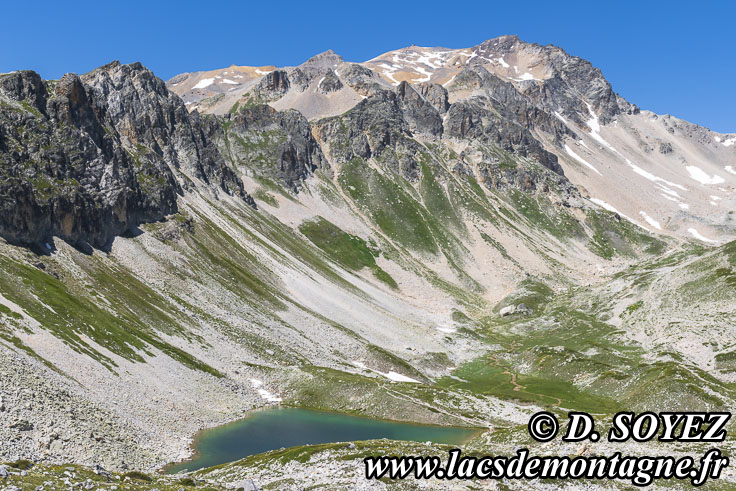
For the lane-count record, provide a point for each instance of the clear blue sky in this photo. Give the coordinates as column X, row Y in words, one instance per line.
column 670, row 57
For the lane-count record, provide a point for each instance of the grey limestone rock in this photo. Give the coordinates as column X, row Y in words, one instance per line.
column 273, row 144
column 88, row 158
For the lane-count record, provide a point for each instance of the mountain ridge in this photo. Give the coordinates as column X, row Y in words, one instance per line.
column 504, row 244
column 564, row 88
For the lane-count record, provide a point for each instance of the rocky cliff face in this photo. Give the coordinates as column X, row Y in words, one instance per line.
column 505, row 99
column 64, row 172
column 329, row 83
column 377, row 128
column 385, row 126
column 568, row 79
column 142, row 111
column 274, row 84
column 272, row 144
column 475, row 119
column 361, row 79
column 89, row 158
column 421, row 115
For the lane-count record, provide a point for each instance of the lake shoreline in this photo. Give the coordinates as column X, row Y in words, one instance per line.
column 197, row 439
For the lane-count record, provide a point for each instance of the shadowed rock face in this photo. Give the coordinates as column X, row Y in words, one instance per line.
column 472, row 119
column 570, row 78
column 89, row 158
column 506, row 99
column 363, row 80
column 384, row 127
column 274, row 83
column 330, row 83
column 421, row 115
column 376, row 127
column 435, row 94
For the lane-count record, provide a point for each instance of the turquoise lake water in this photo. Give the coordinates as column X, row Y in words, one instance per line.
column 281, row 428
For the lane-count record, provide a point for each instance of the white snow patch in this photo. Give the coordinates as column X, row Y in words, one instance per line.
column 717, row 139
column 527, row 76
column 729, row 142
column 702, row 177
column 205, row 82
column 389, row 72
column 269, row 396
column 503, row 63
column 651, row 221
column 41, row 302
column 595, row 128
column 651, row 177
column 228, row 81
column 397, row 377
column 263, row 72
column 427, row 58
column 559, row 116
column 447, row 330
column 667, row 190
column 714, row 197
column 449, row 81
column 604, row 205
column 610, row 208
column 427, row 75
column 580, row 159
column 730, row 169
column 669, row 196
column 697, row 235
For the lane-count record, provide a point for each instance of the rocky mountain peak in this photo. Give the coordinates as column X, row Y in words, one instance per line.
column 498, row 44
column 326, row 59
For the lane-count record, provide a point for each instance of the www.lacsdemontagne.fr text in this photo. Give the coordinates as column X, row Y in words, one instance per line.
column 640, row 471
